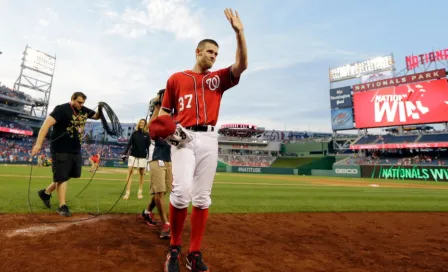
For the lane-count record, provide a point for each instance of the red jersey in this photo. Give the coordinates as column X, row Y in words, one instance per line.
column 196, row 98
column 95, row 158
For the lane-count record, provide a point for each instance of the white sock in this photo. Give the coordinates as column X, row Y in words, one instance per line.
column 146, row 211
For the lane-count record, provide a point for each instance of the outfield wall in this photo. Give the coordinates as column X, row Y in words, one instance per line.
column 387, row 172
column 407, row 172
column 348, row 171
column 323, row 163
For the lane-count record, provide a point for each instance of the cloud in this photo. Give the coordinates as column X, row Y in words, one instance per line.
column 43, row 22
column 171, row 16
column 102, row 3
column 52, row 13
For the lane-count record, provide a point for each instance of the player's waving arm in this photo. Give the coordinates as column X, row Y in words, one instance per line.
column 241, row 61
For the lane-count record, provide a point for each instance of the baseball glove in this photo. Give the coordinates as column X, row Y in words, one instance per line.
column 179, row 138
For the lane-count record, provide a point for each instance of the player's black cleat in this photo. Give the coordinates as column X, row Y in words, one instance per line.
column 45, row 198
column 172, row 260
column 148, row 219
column 195, row 263
column 64, row 211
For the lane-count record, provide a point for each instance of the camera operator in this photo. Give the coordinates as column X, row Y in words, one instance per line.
column 161, row 176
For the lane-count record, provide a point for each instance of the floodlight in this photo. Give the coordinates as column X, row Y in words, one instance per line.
column 358, row 69
column 39, row 61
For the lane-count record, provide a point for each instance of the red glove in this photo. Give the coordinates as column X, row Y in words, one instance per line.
column 162, row 127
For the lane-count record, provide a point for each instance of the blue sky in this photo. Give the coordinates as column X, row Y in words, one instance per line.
column 122, row 52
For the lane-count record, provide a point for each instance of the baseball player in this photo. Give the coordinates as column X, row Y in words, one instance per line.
column 195, row 97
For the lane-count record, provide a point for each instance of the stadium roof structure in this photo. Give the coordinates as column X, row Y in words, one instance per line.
column 240, row 130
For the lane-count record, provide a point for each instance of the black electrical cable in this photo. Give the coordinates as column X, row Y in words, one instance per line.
column 110, row 121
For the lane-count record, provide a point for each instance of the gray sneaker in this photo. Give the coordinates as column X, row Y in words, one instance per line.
column 165, row 232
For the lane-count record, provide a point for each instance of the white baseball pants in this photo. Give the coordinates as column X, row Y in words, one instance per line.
column 194, row 169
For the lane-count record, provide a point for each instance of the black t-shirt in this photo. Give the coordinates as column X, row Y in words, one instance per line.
column 162, row 151
column 138, row 143
column 68, row 131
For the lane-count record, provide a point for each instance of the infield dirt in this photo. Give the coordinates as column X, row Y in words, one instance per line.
column 233, row 242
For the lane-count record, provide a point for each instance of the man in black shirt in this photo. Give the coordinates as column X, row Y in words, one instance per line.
column 139, row 145
column 161, row 179
column 68, row 121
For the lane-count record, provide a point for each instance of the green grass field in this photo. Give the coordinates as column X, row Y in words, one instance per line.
column 232, row 193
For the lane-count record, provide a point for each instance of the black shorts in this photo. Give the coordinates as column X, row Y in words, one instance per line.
column 66, row 166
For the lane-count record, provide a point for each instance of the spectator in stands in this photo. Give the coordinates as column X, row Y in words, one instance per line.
column 68, row 121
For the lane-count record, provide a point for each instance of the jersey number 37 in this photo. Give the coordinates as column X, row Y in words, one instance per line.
column 185, row 102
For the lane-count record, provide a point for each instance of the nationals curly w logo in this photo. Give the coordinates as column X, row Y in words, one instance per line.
column 213, row 83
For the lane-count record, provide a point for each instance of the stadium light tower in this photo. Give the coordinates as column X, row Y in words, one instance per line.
column 37, row 70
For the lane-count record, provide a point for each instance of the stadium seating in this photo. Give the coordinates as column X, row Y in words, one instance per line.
column 247, row 160
column 433, row 138
column 13, row 125
column 418, row 159
column 18, row 149
column 5, row 91
column 367, row 139
column 411, row 138
column 389, row 139
column 223, row 138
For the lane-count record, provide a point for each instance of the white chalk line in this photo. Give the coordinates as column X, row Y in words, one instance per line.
column 38, row 230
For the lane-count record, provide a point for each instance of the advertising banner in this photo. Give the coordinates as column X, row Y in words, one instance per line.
column 341, row 97
column 16, row 131
column 377, row 76
column 262, row 170
column 342, row 119
column 347, row 170
column 417, row 172
column 410, row 104
column 425, row 76
column 398, row 146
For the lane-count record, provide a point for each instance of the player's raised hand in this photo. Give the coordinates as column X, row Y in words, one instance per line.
column 234, row 20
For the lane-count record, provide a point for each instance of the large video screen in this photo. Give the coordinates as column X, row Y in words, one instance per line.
column 408, row 104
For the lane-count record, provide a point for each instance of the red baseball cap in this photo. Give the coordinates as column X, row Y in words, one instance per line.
column 162, row 127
